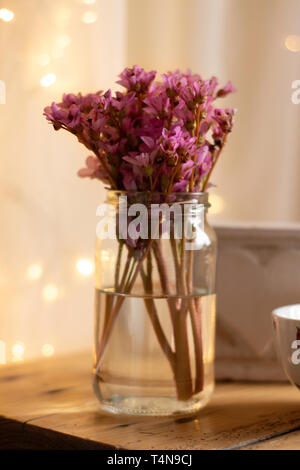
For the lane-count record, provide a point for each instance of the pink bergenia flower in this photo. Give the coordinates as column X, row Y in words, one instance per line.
column 74, row 117
column 136, row 79
column 155, row 135
column 228, row 88
column 174, row 82
column 58, row 116
column 141, row 170
column 141, row 160
column 158, row 105
column 224, row 117
column 128, row 179
column 203, row 161
column 69, row 99
column 181, row 186
column 94, row 120
column 93, row 170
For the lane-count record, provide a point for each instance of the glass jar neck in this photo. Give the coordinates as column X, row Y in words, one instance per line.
column 119, row 198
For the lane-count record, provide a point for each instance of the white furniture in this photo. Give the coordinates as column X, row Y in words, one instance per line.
column 258, row 269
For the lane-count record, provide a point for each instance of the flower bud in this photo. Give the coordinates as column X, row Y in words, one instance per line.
column 172, row 161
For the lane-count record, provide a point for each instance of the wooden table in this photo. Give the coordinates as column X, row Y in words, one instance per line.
column 49, row 404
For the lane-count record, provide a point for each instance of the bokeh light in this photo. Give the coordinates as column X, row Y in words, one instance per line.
column 6, row 15
column 50, row 292
column 48, row 80
column 85, row 267
column 217, row 204
column 60, row 44
column 292, row 43
column 89, row 17
column 63, row 41
column 34, row 271
column 43, row 59
column 47, row 350
column 18, row 350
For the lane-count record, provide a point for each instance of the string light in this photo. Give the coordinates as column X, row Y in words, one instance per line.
column 89, row 17
column 292, row 43
column 6, row 15
column 48, row 80
column 2, row 352
column 50, row 292
column 85, row 267
column 47, row 350
column 34, row 271
column 217, row 204
column 18, row 350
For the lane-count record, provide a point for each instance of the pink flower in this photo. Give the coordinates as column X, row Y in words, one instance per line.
column 183, row 112
column 74, row 117
column 155, row 135
column 128, row 180
column 174, row 82
column 69, row 99
column 149, row 141
column 90, row 101
column 224, row 118
column 93, row 170
column 158, row 105
column 228, row 88
column 60, row 116
column 56, row 115
column 136, row 79
column 141, row 160
column 181, row 186
column 204, row 161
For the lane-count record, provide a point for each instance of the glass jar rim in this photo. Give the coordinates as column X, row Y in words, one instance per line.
column 174, row 197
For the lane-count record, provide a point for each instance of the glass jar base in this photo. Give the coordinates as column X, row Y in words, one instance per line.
column 154, row 405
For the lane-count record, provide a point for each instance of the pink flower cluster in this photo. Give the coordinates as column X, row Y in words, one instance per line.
column 155, row 136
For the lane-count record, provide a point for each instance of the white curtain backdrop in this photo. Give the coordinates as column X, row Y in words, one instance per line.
column 241, row 40
column 47, row 214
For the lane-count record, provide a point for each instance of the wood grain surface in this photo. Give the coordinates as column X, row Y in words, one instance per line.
column 49, row 404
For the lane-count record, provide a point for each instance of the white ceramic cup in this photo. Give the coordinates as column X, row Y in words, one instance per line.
column 286, row 323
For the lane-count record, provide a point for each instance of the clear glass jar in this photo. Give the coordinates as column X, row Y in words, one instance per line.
column 154, row 304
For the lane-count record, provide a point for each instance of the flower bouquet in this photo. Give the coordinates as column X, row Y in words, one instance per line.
column 154, row 146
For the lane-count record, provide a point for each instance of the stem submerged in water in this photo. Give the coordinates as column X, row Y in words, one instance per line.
column 181, row 305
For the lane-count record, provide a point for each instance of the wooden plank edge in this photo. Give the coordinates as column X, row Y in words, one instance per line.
column 16, row 435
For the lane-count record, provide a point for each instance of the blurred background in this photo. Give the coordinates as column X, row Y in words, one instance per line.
column 47, row 214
